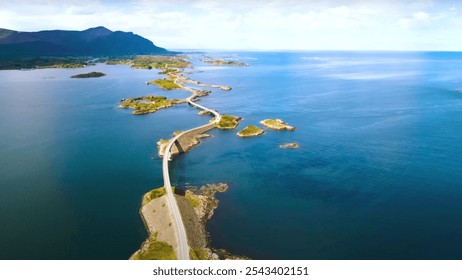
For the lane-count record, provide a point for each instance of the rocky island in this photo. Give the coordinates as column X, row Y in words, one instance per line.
column 165, row 84
column 292, row 145
column 89, row 75
column 276, row 124
column 148, row 104
column 250, row 131
column 227, row 122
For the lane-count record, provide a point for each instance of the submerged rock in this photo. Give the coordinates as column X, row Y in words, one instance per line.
column 292, row 145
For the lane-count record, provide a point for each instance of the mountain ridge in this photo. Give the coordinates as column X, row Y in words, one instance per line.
column 95, row 41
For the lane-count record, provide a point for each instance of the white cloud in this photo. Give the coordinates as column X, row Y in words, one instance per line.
column 416, row 19
column 250, row 24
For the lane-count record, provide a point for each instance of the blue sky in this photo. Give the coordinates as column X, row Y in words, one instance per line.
column 255, row 25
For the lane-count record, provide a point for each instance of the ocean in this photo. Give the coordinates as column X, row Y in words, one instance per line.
column 377, row 175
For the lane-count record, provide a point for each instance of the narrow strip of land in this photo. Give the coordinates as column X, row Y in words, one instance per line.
column 183, row 247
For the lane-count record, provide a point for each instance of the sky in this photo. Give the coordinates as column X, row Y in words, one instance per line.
column 254, row 24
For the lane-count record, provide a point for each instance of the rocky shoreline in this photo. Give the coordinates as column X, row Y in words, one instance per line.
column 193, row 141
column 277, row 124
column 197, row 205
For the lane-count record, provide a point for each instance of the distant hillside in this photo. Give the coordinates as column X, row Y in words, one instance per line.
column 98, row 41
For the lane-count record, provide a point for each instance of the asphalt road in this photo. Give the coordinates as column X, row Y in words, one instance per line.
column 183, row 247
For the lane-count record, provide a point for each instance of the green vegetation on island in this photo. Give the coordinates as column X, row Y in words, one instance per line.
column 227, row 122
column 276, row 124
column 152, row 194
column 218, row 62
column 41, row 63
column 154, row 250
column 160, row 62
column 164, row 63
column 119, row 61
column 161, row 145
column 165, row 84
column 89, row 75
column 148, row 104
column 192, row 199
column 170, row 71
column 198, row 254
column 250, row 131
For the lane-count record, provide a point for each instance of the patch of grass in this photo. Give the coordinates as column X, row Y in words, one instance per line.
column 152, row 194
column 276, row 124
column 250, row 131
column 228, row 122
column 193, row 201
column 159, row 62
column 169, row 71
column 177, row 133
column 198, row 254
column 162, row 145
column 155, row 250
column 147, row 104
column 162, row 62
column 119, row 62
column 163, row 141
column 165, row 84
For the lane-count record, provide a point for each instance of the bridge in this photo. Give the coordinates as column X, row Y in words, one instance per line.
column 183, row 248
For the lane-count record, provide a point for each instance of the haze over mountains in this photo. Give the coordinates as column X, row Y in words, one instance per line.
column 97, row 41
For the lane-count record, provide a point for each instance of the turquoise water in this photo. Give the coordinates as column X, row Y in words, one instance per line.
column 377, row 175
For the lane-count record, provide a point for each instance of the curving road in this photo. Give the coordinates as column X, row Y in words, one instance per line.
column 183, row 247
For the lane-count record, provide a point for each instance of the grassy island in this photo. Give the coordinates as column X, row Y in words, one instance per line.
column 276, row 124
column 165, row 84
column 227, row 122
column 250, row 131
column 148, row 104
column 89, row 75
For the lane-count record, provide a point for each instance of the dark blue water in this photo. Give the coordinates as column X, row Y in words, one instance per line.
column 377, row 175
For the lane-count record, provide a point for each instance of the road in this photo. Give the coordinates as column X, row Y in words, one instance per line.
column 183, row 247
